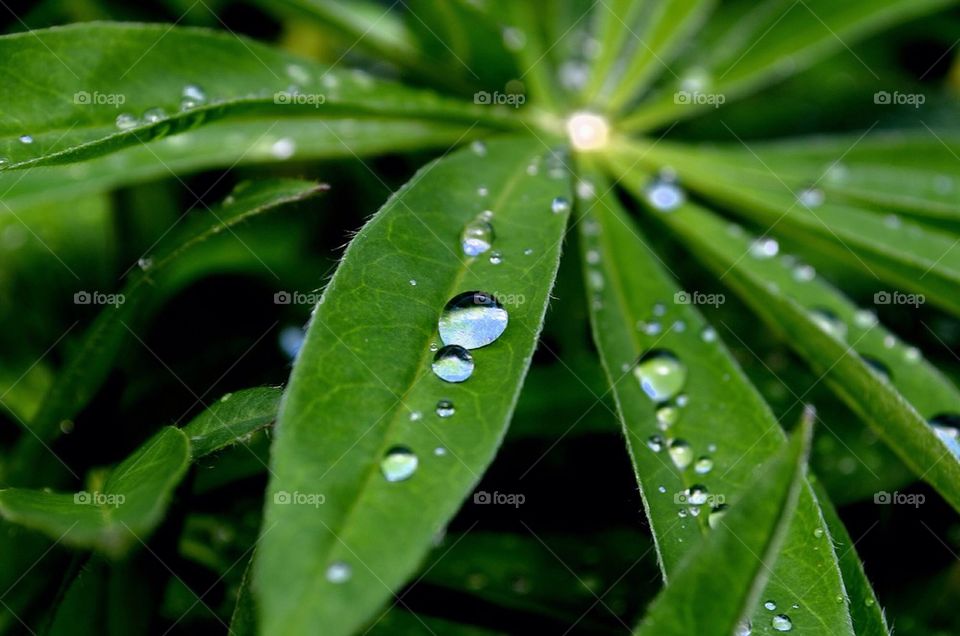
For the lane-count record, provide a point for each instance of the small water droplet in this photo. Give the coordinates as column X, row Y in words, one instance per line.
column 782, row 623
column 664, row 194
column 514, row 39
column 682, row 400
column 479, row 148
column 680, row 453
column 703, row 466
column 743, row 628
column 398, row 464
column 472, row 320
column 533, row 169
column 339, row 572
column 126, row 121
column 770, row 605
column 661, row 374
column 764, row 248
column 528, row 251
column 911, row 354
column 811, row 197
column 829, row 322
column 716, row 514
column 868, row 602
column 667, row 415
column 483, row 191
column 655, row 443
column 709, row 334
column 697, row 494
column 496, row 257
column 560, row 205
column 439, row 451
column 434, row 346
column 416, row 416
column 413, row 282
column 804, row 273
column 947, row 428
column 682, row 513
column 477, row 236
column 892, row 221
column 586, row 189
column 26, row 139
column 445, row 408
column 864, row 318
column 153, row 115
column 145, row 262
column 818, row 532
column 662, row 489
column 453, row 363
column 283, row 148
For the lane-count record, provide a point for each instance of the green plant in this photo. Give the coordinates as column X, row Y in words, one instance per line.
column 590, row 124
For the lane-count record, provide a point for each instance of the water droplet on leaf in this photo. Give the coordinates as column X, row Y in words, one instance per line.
column 472, row 320
column 453, row 363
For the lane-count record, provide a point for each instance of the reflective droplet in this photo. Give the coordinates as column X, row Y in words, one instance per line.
column 416, row 416
column 26, row 139
column 283, row 148
column 482, row 191
column 667, row 415
column 479, row 148
column 145, row 262
column 829, row 322
column 864, row 318
column 445, row 408
column 703, row 466
column 680, row 453
column 709, row 334
column 588, row 131
column 764, row 248
column 664, row 194
column 453, row 363
column 811, row 197
column 947, row 428
column 413, row 282
column 153, row 115
column 912, row 354
column 398, row 464
column 496, row 257
column 586, row 189
column 339, row 572
column 716, row 514
column 818, row 532
column 743, row 628
column 782, row 623
column 126, row 121
column 477, row 236
column 290, row 340
column 560, row 205
column 661, row 374
column 697, row 495
column 434, row 346
column 439, row 451
column 472, row 320
column 655, row 443
column 682, row 399
column 770, row 605
column 514, row 39
column 804, row 273
column 661, row 489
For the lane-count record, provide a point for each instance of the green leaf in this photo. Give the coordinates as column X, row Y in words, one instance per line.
column 719, row 583
column 234, row 417
column 823, row 344
column 906, row 254
column 721, row 417
column 364, row 370
column 83, row 71
column 132, row 500
column 791, row 37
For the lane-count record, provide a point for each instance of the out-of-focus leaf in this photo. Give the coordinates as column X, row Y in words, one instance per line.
column 364, row 370
column 236, row 416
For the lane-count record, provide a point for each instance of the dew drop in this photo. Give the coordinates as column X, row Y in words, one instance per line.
column 709, row 334
column 479, row 148
column 716, row 514
column 482, row 191
column 804, row 273
column 680, row 453
column 416, row 416
column 560, row 205
column 947, row 428
column 586, row 189
column 662, row 489
column 770, row 605
column 697, row 494
column 878, row 367
column 339, row 572
column 911, row 354
column 434, row 346
column 661, row 374
column 664, row 194
column 398, row 464
column 126, row 121
column 864, row 318
column 445, row 408
column 439, row 451
column 283, row 148
column 764, row 248
column 145, row 262
column 453, row 363
column 413, row 282
column 829, row 322
column 811, row 197
column 528, row 251
column 514, row 39
column 655, row 443
column 496, row 257
column 818, row 532
column 153, row 115
column 26, row 139
column 472, row 320
column 703, row 466
column 477, row 236
column 682, row 399
column 667, row 415
column 743, row 628
column 782, row 623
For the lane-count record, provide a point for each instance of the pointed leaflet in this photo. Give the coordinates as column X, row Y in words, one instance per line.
column 912, row 256
column 829, row 347
column 722, row 577
column 86, row 75
column 362, row 384
column 131, row 502
column 720, row 418
column 92, row 360
column 790, row 37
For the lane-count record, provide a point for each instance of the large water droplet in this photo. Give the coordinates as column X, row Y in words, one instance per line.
column 339, row 572
column 661, row 375
column 445, row 408
column 680, row 453
column 126, row 121
column 453, row 363
column 472, row 320
column 477, row 236
column 664, row 194
column 398, row 464
column 782, row 623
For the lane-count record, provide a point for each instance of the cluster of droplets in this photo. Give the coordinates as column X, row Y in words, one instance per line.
column 779, row 622
column 192, row 96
